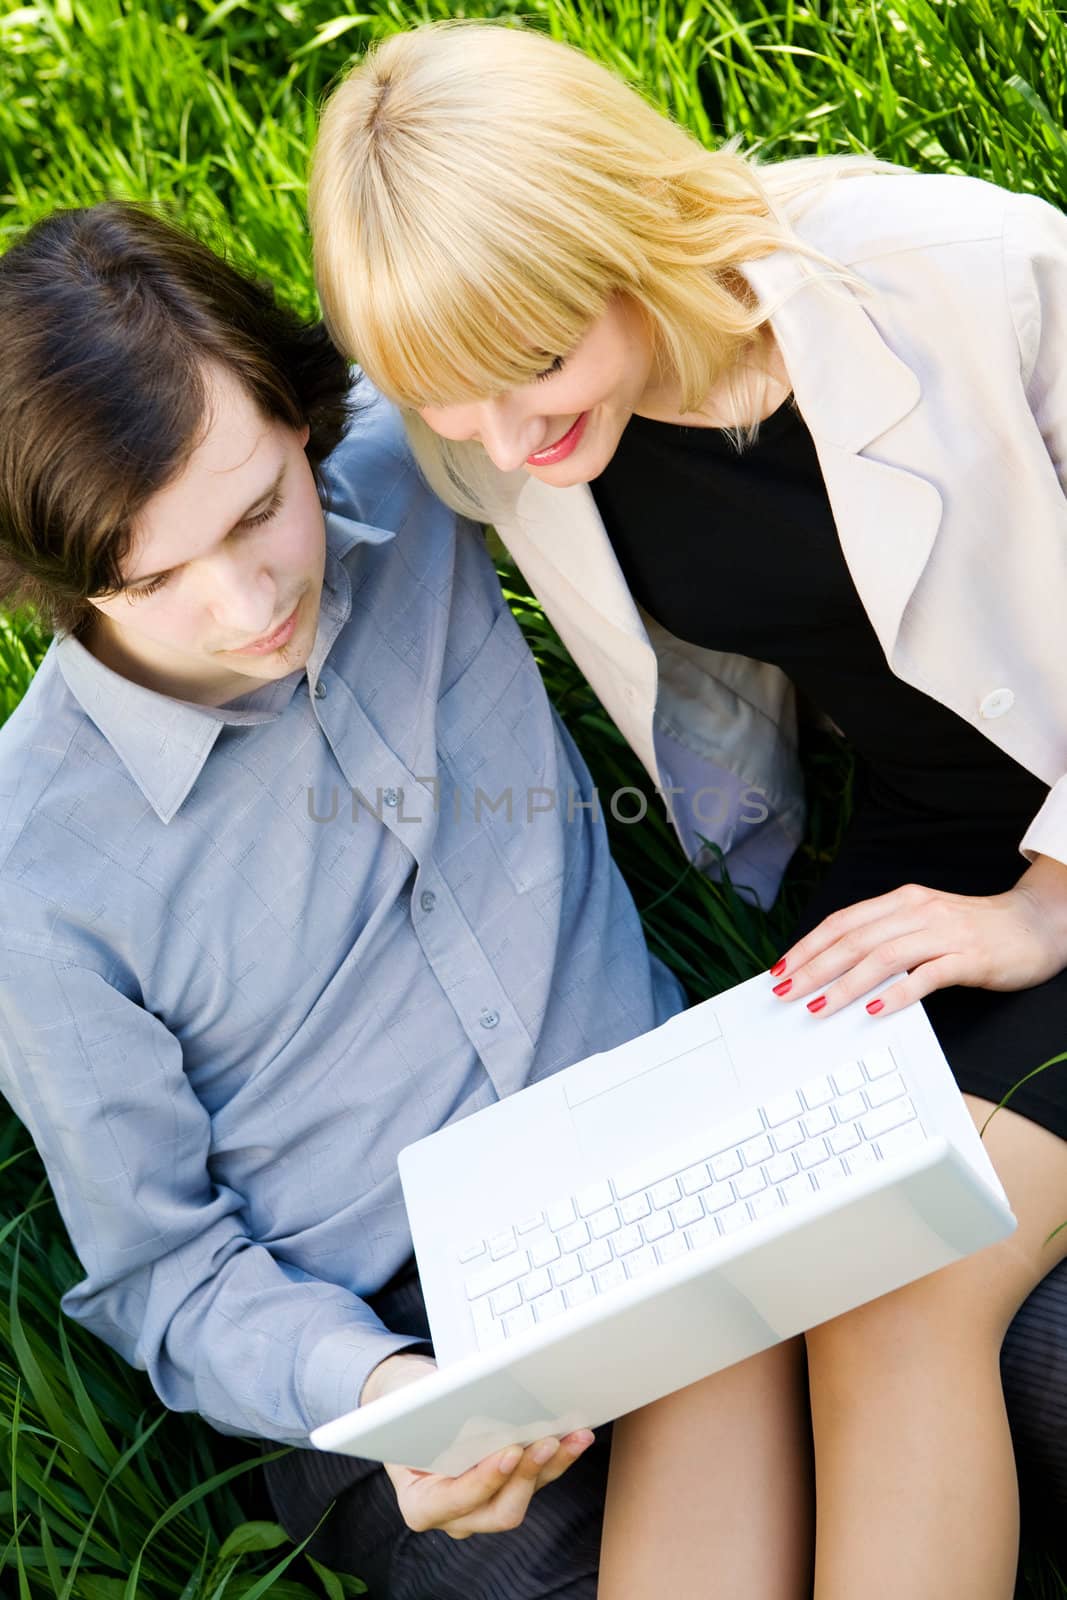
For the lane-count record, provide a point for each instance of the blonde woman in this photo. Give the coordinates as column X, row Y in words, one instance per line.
column 753, row 431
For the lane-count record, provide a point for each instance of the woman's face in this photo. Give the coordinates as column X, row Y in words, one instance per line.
column 566, row 425
column 223, row 557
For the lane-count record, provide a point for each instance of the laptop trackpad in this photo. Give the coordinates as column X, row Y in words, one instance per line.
column 662, row 1106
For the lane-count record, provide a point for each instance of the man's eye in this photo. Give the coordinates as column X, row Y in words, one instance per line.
column 551, row 371
column 148, row 588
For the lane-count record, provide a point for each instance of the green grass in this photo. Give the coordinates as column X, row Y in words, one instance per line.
column 209, row 109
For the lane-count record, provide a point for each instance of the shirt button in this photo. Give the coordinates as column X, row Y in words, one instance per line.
column 390, row 797
column 489, row 1019
column 996, row 703
column 427, row 900
column 320, row 690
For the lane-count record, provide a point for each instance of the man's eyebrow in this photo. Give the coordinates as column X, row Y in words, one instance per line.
column 268, row 494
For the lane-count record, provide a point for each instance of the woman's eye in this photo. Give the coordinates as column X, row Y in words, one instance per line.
column 551, row 371
column 264, row 516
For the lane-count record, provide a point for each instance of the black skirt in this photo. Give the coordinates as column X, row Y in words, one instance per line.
column 740, row 552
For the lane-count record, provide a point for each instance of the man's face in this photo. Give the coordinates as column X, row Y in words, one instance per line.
column 565, row 426
column 222, row 558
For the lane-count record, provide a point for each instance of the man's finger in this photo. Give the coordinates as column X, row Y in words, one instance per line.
column 433, row 1501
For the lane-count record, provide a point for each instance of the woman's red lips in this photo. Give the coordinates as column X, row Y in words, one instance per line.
column 562, row 447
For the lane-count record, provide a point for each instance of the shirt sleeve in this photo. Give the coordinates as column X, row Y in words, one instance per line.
column 1035, row 270
column 173, row 1280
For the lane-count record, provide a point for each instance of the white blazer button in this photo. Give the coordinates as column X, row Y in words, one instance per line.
column 996, row 703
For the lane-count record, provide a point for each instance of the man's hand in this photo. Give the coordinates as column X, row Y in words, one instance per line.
column 489, row 1497
column 1002, row 941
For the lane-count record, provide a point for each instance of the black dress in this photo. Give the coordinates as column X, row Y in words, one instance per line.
column 740, row 552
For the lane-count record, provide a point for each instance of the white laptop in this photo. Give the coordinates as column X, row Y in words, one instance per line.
column 656, row 1212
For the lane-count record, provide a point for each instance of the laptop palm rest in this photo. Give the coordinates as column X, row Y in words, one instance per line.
column 616, row 1122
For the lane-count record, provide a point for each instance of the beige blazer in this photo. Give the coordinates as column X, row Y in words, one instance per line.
column 938, row 409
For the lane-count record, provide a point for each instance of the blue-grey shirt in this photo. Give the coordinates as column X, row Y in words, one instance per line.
column 249, row 952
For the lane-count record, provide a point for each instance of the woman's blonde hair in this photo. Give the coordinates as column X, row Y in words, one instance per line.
column 480, row 191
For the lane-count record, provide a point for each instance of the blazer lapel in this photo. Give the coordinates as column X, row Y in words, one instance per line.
column 851, row 388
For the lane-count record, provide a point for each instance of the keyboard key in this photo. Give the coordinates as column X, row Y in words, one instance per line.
column 885, row 1089
column 718, row 1197
column 482, row 1315
column 785, row 1137
column 529, row 1224
column 506, row 1299
column 817, row 1092
column 497, row 1274
column 810, row 1154
column 876, row 1063
column 886, row 1117
column 817, row 1122
column 544, row 1251
column 749, row 1183
column 550, row 1305
column 701, row 1234
column 610, row 1277
column 595, row 1255
column 849, row 1107
column 765, row 1203
column 687, row 1211
column 601, row 1223
column 901, row 1140
column 567, row 1270
column 652, row 1170
column 781, row 1167
column 665, row 1193
column 471, row 1252
column 626, row 1239
column 641, row 1261
column 843, row 1139
column 726, row 1165
column 860, row 1159
column 491, row 1336
column 849, row 1077
column 782, row 1109
column 670, row 1249
column 753, row 1151
column 559, row 1215
column 535, row 1283
column 578, row 1293
column 734, row 1217
column 502, row 1243
column 794, row 1189
column 593, row 1198
column 696, row 1178
column 657, row 1227
column 633, row 1209
column 518, row 1321
column 830, row 1172
column 574, row 1236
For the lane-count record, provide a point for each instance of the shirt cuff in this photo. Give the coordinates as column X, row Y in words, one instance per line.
column 340, row 1365
column 1047, row 834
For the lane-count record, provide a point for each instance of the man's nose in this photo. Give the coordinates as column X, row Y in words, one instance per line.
column 243, row 599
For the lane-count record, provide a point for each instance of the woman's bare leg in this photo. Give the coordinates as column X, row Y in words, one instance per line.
column 915, row 1475
column 710, row 1490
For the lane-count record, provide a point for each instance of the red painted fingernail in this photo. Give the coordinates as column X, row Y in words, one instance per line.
column 779, row 966
column 817, row 1004
column 874, row 1006
column 783, row 988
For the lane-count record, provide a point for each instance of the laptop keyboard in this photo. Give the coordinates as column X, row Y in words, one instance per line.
column 760, row 1163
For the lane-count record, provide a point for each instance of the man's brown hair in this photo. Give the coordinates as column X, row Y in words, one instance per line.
column 109, row 318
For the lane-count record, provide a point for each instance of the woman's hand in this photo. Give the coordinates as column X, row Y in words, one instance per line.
column 489, row 1497
column 1002, row 941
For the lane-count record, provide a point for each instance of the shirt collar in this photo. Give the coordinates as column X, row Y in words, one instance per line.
column 164, row 742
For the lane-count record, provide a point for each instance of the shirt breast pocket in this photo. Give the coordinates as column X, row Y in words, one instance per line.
column 499, row 760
